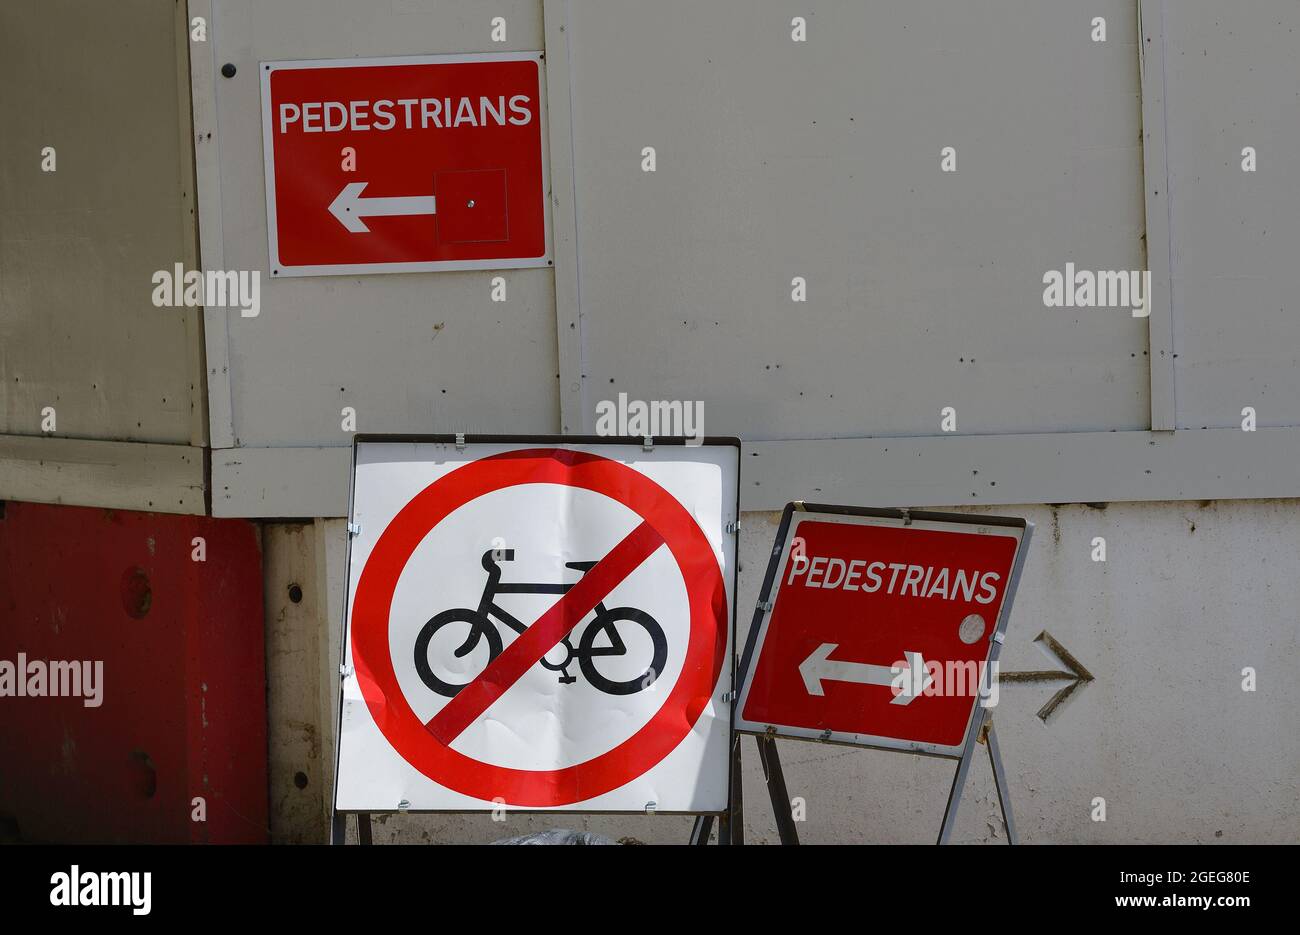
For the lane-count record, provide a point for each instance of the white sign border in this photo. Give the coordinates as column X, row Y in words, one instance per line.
column 799, row 512
column 279, row 270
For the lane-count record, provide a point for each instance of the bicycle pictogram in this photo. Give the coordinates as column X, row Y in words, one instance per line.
column 482, row 627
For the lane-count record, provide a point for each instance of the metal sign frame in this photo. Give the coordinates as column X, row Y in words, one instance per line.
column 730, row 826
column 979, row 726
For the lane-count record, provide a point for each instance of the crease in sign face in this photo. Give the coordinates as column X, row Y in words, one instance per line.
column 660, row 529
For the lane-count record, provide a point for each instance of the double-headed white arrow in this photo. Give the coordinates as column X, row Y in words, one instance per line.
column 349, row 207
column 819, row 667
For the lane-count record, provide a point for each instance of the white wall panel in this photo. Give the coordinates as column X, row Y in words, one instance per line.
column 1234, row 81
column 412, row 352
column 822, row 159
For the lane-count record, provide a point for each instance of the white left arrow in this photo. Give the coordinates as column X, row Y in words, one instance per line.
column 349, row 207
column 820, row 667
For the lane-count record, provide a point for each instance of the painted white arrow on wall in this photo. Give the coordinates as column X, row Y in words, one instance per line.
column 819, row 667
column 349, row 207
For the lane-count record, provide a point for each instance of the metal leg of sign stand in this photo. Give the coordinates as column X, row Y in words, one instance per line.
column 731, row 825
column 982, row 734
column 731, row 829
column 1000, row 780
column 776, row 790
column 339, row 828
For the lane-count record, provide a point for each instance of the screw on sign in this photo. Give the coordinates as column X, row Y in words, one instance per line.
column 405, row 164
column 579, row 666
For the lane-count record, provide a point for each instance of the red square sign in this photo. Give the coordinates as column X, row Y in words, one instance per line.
column 879, row 628
column 405, row 164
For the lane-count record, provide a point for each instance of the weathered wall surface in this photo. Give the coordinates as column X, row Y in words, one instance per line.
column 106, row 85
column 303, row 616
column 418, row 352
column 774, row 161
column 779, row 159
column 1231, row 87
column 822, row 161
column 170, row 746
column 296, row 766
column 1190, row 595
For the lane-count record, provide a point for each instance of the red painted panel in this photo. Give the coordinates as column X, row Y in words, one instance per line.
column 183, row 710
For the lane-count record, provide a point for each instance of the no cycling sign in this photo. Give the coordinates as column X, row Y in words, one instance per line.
column 538, row 624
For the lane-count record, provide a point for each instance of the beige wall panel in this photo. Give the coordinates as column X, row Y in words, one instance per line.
column 1234, row 81
column 106, row 85
column 416, row 352
column 821, row 159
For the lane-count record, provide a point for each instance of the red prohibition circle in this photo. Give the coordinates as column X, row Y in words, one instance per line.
column 705, row 651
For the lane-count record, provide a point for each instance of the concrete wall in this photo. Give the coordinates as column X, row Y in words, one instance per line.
column 1190, row 595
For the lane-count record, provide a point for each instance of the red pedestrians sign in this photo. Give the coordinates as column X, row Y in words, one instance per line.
column 405, row 164
column 878, row 628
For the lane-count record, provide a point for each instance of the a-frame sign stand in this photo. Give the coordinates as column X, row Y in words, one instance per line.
column 776, row 790
column 785, row 823
column 981, row 729
column 731, row 823
column 780, row 796
column 986, row 736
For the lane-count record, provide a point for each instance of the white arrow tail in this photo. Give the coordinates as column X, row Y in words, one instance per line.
column 348, row 207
